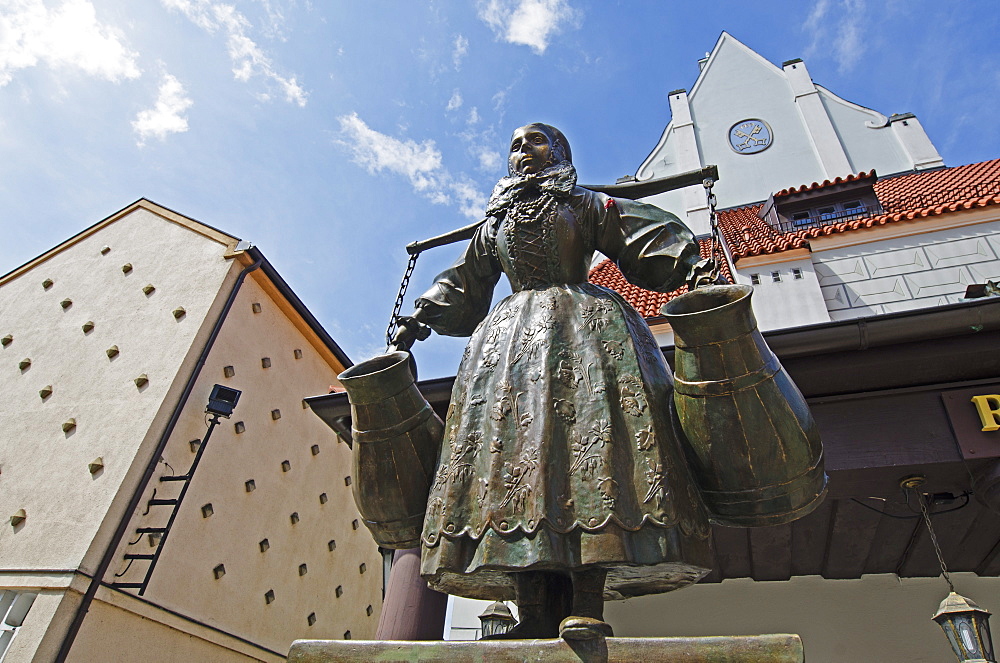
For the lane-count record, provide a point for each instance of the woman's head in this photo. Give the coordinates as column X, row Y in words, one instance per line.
column 534, row 147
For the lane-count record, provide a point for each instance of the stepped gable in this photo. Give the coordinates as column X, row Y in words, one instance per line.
column 646, row 302
column 903, row 198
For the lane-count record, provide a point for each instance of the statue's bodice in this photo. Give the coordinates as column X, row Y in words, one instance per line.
column 543, row 251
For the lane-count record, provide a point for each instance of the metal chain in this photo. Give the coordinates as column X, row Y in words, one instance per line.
column 391, row 329
column 937, row 548
column 716, row 254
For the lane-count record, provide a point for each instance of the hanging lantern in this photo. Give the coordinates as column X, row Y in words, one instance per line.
column 497, row 619
column 965, row 623
column 968, row 629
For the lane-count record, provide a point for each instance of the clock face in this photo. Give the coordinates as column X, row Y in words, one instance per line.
column 750, row 136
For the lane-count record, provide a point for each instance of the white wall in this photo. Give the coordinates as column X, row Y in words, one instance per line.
column 903, row 273
column 877, row 619
column 816, row 134
column 866, row 147
column 791, row 302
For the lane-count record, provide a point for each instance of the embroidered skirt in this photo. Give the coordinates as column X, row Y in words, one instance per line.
column 560, row 452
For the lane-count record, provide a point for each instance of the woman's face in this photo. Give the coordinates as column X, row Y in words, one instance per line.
column 530, row 150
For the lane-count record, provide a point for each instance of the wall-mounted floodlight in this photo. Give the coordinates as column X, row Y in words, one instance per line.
column 222, row 400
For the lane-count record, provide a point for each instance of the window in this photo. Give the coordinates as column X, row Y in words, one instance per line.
column 827, row 213
column 801, row 218
column 776, row 277
column 13, row 608
column 755, row 279
column 850, row 198
column 796, row 273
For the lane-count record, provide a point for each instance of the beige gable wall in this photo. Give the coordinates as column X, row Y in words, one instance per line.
column 153, row 639
column 183, row 579
column 44, row 470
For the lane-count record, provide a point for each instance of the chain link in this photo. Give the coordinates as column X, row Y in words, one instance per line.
column 391, row 329
column 934, row 541
column 717, row 255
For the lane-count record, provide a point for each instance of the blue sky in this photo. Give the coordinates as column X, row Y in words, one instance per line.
column 331, row 134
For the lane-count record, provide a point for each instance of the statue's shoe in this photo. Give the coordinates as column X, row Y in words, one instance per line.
column 584, row 628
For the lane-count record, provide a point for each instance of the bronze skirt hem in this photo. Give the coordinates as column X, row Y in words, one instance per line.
column 650, row 560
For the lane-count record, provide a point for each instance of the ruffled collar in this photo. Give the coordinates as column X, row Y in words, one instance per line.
column 557, row 180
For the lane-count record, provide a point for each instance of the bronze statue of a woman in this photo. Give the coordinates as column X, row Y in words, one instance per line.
column 561, row 480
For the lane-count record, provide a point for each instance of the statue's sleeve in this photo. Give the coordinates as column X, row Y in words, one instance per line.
column 652, row 247
column 461, row 295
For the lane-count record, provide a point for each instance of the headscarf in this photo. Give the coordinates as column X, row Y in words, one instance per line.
column 557, row 181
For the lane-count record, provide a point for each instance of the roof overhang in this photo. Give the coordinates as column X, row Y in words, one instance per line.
column 875, row 387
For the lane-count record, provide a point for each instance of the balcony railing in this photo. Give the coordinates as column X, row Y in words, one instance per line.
column 819, row 220
column 893, row 205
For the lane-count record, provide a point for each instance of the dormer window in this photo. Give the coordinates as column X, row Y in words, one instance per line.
column 823, row 204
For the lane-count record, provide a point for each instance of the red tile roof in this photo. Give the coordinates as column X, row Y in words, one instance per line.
column 746, row 234
column 906, row 197
column 825, row 183
column 646, row 302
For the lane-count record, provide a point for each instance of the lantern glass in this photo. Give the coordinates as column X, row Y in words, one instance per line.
column 967, row 627
column 497, row 619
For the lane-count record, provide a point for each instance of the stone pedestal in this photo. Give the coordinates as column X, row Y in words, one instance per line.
column 778, row 648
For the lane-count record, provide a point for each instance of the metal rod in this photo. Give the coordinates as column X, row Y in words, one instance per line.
column 630, row 190
column 645, row 188
column 465, row 232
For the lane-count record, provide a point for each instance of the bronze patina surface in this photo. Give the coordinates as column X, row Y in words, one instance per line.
column 778, row 648
column 563, row 479
column 396, row 438
column 560, row 456
column 754, row 447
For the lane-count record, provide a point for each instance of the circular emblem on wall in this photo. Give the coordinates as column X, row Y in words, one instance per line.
column 750, row 136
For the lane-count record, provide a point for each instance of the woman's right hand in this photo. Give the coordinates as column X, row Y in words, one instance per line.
column 409, row 330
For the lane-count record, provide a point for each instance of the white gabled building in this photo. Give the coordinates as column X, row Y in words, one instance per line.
column 111, row 344
column 795, row 130
column 831, row 210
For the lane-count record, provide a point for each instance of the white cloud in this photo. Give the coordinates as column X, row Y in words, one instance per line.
column 455, row 102
column 166, row 116
column 489, row 160
column 836, row 28
column 68, row 36
column 526, row 22
column 461, row 48
column 247, row 57
column 473, row 116
column 420, row 163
